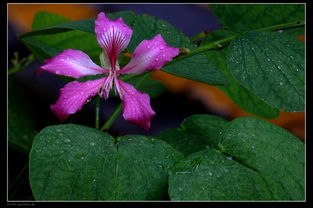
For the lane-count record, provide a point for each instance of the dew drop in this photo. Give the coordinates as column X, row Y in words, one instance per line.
column 92, row 144
column 210, row 174
column 280, row 31
column 229, row 158
column 291, row 57
column 279, row 67
column 252, row 146
column 180, row 189
column 280, row 83
column 67, row 140
column 82, row 158
column 268, row 59
column 148, row 46
column 182, row 173
column 94, row 180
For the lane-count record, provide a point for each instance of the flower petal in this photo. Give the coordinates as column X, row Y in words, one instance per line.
column 150, row 55
column 74, row 95
column 112, row 35
column 72, row 63
column 137, row 107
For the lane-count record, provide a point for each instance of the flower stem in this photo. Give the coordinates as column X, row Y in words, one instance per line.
column 97, row 112
column 119, row 108
column 112, row 118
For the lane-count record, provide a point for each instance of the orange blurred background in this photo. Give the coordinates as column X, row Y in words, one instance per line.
column 21, row 17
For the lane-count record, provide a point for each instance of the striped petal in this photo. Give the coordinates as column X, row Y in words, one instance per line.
column 150, row 55
column 72, row 63
column 112, row 35
column 137, row 107
column 74, row 95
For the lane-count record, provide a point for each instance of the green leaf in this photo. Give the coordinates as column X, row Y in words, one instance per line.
column 75, row 37
column 40, row 50
column 49, row 23
column 254, row 160
column 243, row 17
column 271, row 65
column 73, row 162
column 183, row 141
column 21, row 120
column 243, row 97
column 196, row 68
column 274, row 152
column 209, row 175
column 55, row 31
column 208, row 127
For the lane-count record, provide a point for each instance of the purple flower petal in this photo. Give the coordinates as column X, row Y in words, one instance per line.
column 150, row 55
column 112, row 35
column 74, row 95
column 72, row 63
column 137, row 107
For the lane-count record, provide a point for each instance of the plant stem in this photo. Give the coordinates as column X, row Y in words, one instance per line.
column 214, row 45
column 97, row 112
column 225, row 41
column 112, row 118
column 199, row 36
column 22, row 64
column 282, row 26
column 119, row 108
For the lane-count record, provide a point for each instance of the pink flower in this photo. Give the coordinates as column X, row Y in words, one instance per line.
column 113, row 36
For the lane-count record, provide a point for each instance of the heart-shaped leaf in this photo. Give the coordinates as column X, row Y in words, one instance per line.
column 253, row 160
column 73, row 162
